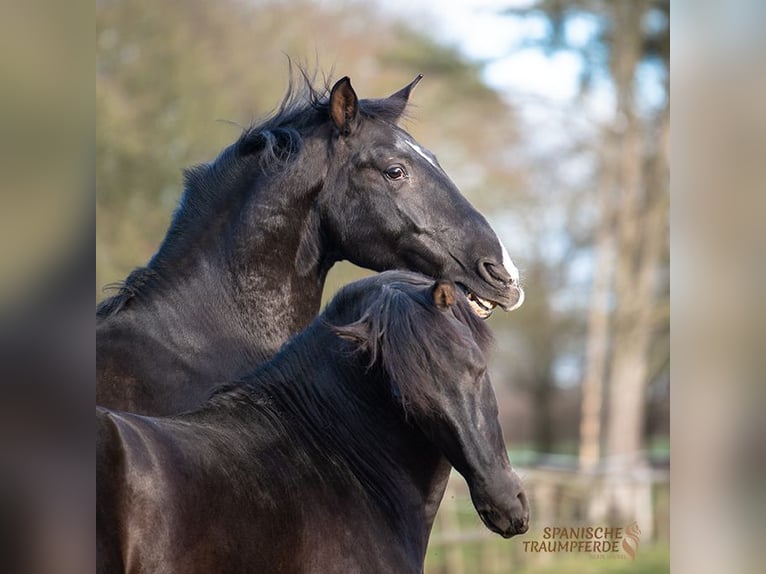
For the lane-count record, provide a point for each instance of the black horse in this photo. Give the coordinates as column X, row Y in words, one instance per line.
column 244, row 262
column 332, row 457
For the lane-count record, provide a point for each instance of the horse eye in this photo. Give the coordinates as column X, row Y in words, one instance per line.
column 395, row 172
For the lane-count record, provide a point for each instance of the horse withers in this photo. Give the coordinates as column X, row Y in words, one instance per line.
column 332, row 457
column 242, row 267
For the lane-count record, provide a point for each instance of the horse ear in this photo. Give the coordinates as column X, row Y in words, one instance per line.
column 400, row 98
column 443, row 293
column 344, row 105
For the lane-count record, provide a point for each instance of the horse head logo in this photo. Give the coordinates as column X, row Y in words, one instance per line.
column 631, row 540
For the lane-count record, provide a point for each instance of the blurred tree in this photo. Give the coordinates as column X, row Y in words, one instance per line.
column 627, row 309
column 640, row 220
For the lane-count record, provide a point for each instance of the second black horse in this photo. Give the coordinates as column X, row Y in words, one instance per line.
column 332, row 457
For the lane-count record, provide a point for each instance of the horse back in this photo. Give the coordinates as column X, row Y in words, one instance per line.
column 188, row 495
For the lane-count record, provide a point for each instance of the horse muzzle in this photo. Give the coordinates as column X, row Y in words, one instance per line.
column 507, row 511
column 497, row 285
column 509, row 299
column 503, row 525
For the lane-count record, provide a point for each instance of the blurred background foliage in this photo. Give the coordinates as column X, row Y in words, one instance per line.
column 577, row 189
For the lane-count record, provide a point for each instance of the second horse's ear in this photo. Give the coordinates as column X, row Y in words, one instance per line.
column 344, row 106
column 443, row 293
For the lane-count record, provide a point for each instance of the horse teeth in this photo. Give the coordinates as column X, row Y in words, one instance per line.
column 481, row 307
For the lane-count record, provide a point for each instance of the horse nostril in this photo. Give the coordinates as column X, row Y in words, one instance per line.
column 493, row 272
column 524, row 502
column 522, row 526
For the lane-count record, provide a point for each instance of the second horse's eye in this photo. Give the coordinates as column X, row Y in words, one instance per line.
column 395, row 172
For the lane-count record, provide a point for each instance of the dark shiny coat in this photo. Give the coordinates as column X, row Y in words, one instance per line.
column 332, row 457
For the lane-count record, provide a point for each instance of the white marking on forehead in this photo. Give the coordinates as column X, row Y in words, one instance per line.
column 420, row 151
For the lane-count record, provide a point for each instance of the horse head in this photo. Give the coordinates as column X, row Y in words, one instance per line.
column 386, row 203
column 433, row 348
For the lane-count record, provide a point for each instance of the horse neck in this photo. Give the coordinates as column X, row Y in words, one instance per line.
column 344, row 411
column 228, row 269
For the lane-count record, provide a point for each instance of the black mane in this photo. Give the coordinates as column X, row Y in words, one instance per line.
column 405, row 333
column 387, row 325
column 277, row 138
column 395, row 324
column 269, row 146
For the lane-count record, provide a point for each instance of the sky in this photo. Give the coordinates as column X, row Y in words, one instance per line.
column 536, row 82
column 481, row 33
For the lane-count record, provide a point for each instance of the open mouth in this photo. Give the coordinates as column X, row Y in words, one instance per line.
column 482, row 307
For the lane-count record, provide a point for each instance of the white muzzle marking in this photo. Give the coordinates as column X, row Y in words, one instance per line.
column 513, row 271
column 508, row 264
column 520, row 302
